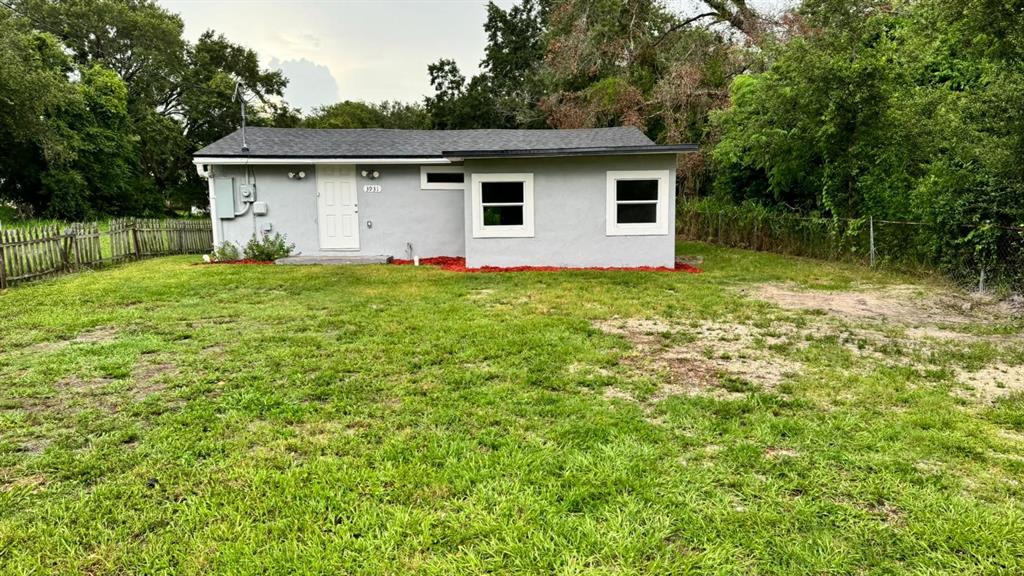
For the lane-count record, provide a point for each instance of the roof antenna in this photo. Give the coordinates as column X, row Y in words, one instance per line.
column 238, row 95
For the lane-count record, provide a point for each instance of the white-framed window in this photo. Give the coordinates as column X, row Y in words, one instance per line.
column 638, row 202
column 503, row 205
column 442, row 178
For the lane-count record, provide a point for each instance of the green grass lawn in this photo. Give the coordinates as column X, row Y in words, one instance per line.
column 169, row 417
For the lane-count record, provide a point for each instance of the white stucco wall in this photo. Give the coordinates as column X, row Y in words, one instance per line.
column 569, row 214
column 570, row 204
column 432, row 220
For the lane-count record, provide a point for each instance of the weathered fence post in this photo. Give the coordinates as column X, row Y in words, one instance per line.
column 135, row 235
column 3, row 266
column 871, row 240
column 65, row 249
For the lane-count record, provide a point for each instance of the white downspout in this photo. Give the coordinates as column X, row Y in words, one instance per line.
column 206, row 171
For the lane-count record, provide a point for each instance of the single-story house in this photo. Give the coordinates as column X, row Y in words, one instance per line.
column 574, row 198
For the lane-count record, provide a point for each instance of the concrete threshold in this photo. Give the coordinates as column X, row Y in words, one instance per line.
column 332, row 260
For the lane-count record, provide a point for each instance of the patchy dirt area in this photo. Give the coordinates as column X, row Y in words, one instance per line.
column 98, row 335
column 74, row 394
column 909, row 305
column 991, row 382
column 925, row 318
column 717, row 359
column 95, row 336
column 895, row 326
column 151, row 378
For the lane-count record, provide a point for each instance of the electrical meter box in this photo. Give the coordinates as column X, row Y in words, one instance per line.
column 247, row 192
column 259, row 208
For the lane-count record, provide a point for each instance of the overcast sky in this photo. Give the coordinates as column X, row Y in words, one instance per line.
column 368, row 50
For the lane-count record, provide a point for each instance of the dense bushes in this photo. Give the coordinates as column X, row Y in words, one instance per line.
column 259, row 248
column 268, row 247
column 900, row 111
column 993, row 256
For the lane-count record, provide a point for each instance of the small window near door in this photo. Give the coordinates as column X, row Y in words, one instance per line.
column 502, row 205
column 442, row 178
column 637, row 202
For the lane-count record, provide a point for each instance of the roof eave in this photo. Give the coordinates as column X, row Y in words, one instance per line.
column 446, row 157
column 561, row 152
column 257, row 160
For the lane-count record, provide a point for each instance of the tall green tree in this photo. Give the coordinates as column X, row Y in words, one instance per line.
column 104, row 176
column 178, row 94
column 349, row 114
column 506, row 92
column 899, row 110
column 33, row 86
column 593, row 63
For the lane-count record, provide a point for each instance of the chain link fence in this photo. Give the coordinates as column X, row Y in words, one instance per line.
column 981, row 257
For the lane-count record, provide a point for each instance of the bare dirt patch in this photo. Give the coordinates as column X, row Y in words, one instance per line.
column 902, row 304
column 587, row 370
column 991, row 382
column 776, row 453
column 726, row 360
column 99, row 335
column 916, row 321
column 72, row 393
column 150, row 378
column 215, row 349
column 715, row 359
column 613, row 393
column 50, row 346
column 480, row 293
column 31, row 483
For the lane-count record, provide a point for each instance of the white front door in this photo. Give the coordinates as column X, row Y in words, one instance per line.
column 338, row 207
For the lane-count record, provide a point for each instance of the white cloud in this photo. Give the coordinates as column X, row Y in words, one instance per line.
column 300, row 42
column 372, row 50
column 309, row 84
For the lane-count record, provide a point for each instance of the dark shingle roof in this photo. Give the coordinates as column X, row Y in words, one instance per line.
column 383, row 143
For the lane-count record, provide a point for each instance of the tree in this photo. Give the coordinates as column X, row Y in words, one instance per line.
column 506, row 92
column 512, row 59
column 891, row 110
column 458, row 104
column 33, row 85
column 349, row 114
column 179, row 95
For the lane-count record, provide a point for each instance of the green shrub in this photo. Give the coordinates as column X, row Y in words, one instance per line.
column 226, row 252
column 7, row 213
column 268, row 248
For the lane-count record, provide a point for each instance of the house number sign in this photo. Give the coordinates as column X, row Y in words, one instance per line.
column 372, row 188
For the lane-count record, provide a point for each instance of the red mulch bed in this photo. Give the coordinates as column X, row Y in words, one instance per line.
column 458, row 264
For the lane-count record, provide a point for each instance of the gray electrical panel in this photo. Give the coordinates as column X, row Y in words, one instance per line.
column 224, row 191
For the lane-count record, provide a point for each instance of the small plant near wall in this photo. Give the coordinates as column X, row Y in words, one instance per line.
column 226, row 252
column 268, row 248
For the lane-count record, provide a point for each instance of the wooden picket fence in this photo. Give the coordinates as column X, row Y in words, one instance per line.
column 53, row 249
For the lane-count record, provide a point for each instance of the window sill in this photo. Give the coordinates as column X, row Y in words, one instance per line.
column 503, row 232
column 644, row 231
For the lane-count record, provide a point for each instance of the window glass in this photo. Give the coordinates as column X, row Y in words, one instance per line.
column 632, row 190
column 503, row 215
column 502, row 205
column 501, row 192
column 637, row 202
column 446, row 177
column 637, row 213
